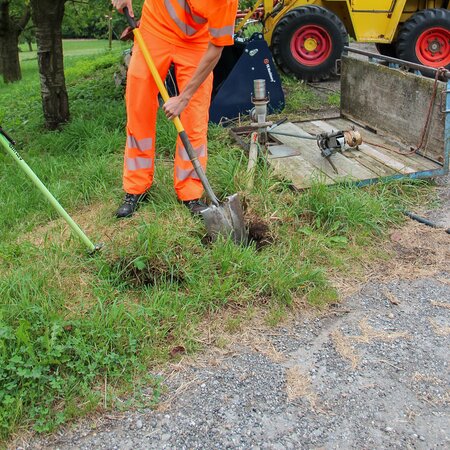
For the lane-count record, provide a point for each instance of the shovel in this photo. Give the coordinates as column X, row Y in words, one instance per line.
column 226, row 218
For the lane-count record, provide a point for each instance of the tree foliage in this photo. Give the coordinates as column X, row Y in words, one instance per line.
column 16, row 8
column 246, row 3
column 89, row 19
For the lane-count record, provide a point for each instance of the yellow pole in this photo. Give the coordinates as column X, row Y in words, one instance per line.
column 247, row 16
column 159, row 82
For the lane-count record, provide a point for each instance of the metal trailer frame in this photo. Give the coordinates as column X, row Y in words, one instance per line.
column 439, row 168
column 418, row 69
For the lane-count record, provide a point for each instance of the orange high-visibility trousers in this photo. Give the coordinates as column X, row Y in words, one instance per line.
column 142, row 107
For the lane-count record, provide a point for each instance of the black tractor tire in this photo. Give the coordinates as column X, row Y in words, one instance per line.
column 332, row 37
column 387, row 49
column 413, row 32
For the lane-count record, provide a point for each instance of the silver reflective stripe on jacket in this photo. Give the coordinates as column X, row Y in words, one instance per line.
column 200, row 151
column 224, row 31
column 144, row 145
column 184, row 27
column 183, row 175
column 139, row 163
column 197, row 19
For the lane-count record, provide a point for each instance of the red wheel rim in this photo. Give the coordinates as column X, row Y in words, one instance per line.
column 433, row 47
column 311, row 45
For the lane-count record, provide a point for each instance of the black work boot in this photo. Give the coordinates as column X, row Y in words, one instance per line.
column 195, row 206
column 130, row 205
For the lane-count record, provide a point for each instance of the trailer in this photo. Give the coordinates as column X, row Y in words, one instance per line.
column 401, row 121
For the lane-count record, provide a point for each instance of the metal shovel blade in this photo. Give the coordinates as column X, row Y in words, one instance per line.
column 227, row 220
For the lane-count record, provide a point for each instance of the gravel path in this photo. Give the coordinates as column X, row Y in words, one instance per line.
column 373, row 373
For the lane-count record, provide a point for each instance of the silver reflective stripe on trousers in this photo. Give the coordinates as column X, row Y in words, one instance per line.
column 144, row 145
column 197, row 19
column 139, row 163
column 184, row 27
column 224, row 31
column 200, row 151
column 183, row 175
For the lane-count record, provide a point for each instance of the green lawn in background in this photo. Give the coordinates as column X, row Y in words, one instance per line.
column 75, row 47
column 71, row 325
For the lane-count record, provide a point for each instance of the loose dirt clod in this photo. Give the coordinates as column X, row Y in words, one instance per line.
column 259, row 233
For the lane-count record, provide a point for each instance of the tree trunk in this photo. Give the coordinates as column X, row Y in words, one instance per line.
column 47, row 17
column 10, row 58
column 4, row 23
column 9, row 46
column 1, row 59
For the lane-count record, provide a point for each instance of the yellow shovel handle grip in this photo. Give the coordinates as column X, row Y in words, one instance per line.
column 159, row 82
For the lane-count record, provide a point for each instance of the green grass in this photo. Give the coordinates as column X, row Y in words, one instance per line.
column 334, row 99
column 77, row 332
column 299, row 95
column 74, row 47
column 302, row 98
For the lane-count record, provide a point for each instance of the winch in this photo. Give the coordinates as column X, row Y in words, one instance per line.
column 330, row 143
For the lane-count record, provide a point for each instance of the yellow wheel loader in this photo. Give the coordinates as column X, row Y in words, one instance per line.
column 308, row 36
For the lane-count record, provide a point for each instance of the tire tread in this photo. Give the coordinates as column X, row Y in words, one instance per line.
column 409, row 28
column 284, row 23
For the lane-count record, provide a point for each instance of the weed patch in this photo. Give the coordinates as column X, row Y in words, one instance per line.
column 141, row 272
column 49, row 363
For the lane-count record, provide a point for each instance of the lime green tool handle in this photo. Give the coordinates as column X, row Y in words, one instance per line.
column 9, row 147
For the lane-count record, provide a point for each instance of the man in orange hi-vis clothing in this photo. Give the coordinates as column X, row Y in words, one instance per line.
column 190, row 34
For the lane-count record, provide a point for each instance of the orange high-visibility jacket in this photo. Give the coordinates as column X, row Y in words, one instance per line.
column 192, row 21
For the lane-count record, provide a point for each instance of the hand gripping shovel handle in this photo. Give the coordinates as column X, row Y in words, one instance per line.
column 165, row 95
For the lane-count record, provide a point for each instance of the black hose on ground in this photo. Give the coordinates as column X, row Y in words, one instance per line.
column 424, row 221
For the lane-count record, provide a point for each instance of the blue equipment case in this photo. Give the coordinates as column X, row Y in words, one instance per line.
column 240, row 64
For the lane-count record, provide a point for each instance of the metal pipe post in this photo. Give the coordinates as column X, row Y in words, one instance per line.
column 400, row 62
